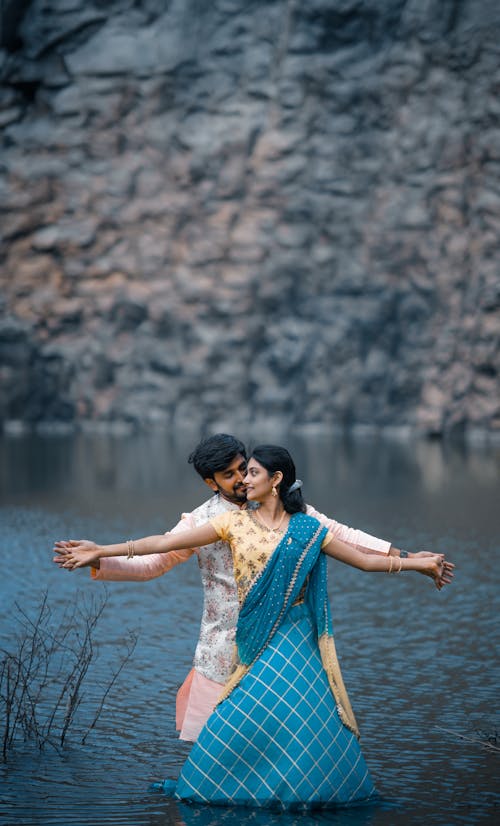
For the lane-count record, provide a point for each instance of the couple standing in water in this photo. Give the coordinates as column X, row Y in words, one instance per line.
column 281, row 731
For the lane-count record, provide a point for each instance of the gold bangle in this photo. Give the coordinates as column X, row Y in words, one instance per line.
column 130, row 548
column 391, row 564
column 400, row 565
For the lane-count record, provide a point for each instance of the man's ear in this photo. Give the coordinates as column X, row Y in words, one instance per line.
column 212, row 484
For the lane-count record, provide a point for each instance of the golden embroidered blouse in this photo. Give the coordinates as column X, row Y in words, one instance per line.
column 251, row 545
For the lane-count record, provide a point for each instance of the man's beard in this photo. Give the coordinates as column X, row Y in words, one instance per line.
column 238, row 496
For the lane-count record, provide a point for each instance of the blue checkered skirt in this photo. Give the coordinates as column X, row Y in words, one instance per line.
column 277, row 740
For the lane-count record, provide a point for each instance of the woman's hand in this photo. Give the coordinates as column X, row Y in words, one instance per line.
column 437, row 567
column 446, row 575
column 75, row 553
column 447, row 572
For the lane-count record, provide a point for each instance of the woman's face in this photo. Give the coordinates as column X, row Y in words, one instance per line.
column 258, row 482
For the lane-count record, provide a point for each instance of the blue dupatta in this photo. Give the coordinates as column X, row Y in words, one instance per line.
column 296, row 562
column 279, row 584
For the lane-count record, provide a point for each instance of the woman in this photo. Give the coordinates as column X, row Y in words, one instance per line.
column 283, row 733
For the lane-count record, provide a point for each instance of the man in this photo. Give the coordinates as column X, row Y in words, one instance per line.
column 221, row 462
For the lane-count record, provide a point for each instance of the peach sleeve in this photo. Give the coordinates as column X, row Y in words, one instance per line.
column 351, row 536
column 143, row 568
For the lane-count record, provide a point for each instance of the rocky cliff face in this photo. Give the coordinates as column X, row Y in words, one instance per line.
column 239, row 212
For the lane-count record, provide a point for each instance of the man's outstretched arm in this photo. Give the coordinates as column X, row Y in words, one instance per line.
column 372, row 545
column 351, row 536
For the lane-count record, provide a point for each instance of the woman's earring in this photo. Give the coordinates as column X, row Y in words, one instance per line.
column 274, row 491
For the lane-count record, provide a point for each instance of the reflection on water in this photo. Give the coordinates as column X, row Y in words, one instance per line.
column 421, row 666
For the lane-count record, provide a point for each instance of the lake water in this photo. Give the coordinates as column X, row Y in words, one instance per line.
column 421, row 666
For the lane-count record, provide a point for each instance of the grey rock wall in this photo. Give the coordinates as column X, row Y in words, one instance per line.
column 270, row 213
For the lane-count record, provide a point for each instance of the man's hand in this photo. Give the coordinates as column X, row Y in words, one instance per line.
column 65, row 548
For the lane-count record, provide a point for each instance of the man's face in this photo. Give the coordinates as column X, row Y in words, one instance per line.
column 229, row 482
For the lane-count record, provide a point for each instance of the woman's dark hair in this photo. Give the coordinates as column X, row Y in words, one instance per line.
column 215, row 453
column 273, row 458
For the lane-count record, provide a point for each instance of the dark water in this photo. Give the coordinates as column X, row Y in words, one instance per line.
column 421, row 666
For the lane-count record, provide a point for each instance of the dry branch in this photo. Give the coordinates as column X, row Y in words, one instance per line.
column 42, row 676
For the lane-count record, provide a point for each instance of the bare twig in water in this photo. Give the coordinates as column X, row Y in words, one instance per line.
column 42, row 676
column 488, row 743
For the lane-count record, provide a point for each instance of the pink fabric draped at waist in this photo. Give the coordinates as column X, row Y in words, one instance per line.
column 196, row 699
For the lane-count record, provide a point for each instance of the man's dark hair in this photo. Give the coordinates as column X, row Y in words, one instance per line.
column 215, row 453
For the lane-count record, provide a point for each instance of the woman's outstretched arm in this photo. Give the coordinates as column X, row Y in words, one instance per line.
column 82, row 552
column 431, row 565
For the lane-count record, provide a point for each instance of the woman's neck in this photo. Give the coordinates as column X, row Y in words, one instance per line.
column 272, row 519
column 272, row 507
